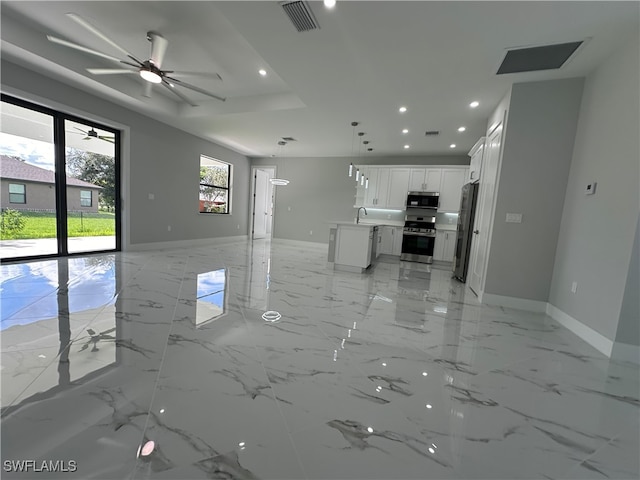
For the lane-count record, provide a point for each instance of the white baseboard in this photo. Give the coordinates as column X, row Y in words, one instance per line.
column 514, row 302
column 184, row 243
column 588, row 334
column 300, row 243
column 626, row 353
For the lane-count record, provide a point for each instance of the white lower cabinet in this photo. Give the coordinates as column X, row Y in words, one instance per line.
column 445, row 245
column 353, row 246
column 391, row 243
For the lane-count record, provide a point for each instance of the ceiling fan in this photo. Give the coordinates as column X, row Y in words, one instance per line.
column 150, row 70
column 91, row 134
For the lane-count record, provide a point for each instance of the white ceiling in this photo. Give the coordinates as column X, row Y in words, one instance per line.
column 367, row 59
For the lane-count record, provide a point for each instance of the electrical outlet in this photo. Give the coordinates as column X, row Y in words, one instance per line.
column 168, row 228
column 590, row 189
column 238, row 227
column 288, row 209
column 310, row 232
column 152, row 196
column 574, row 287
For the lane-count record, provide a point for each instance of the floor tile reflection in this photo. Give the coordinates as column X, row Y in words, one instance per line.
column 394, row 373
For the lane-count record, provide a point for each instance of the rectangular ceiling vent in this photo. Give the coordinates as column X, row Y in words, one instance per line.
column 431, row 133
column 531, row 59
column 300, row 15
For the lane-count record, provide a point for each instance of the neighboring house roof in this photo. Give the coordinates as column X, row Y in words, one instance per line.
column 15, row 169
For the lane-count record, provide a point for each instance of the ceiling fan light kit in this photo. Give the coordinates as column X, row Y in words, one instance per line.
column 150, row 76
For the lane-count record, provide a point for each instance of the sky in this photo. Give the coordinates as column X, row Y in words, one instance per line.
column 34, row 152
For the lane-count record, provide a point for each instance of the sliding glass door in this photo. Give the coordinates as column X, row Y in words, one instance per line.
column 60, row 183
column 91, row 188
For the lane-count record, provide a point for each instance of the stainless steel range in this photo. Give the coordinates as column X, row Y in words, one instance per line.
column 419, row 236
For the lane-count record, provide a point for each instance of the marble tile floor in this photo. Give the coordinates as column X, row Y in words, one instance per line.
column 398, row 373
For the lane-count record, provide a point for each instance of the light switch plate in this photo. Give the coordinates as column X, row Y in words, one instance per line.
column 590, row 189
column 514, row 218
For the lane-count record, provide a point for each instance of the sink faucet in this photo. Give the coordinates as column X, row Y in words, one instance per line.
column 358, row 214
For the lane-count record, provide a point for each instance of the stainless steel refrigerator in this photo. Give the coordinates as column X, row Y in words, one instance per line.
column 466, row 218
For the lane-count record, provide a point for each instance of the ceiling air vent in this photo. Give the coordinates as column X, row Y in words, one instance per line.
column 300, row 15
column 531, row 59
column 431, row 133
column 289, row 139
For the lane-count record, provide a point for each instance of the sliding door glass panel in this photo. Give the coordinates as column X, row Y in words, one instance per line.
column 91, row 188
column 28, row 189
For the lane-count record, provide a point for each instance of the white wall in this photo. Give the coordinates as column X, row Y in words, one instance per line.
column 597, row 232
column 536, row 155
column 159, row 159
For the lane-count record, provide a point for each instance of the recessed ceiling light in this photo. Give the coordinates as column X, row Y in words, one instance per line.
column 262, row 72
column 453, row 145
column 474, row 104
column 462, row 129
column 406, row 146
column 329, row 3
column 402, row 109
column 405, row 130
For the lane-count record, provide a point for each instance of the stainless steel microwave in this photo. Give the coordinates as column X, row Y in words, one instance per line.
column 423, row 200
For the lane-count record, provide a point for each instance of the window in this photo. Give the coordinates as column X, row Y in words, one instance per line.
column 85, row 198
column 17, row 193
column 215, row 186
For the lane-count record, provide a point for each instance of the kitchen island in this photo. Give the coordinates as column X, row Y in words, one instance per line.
column 354, row 245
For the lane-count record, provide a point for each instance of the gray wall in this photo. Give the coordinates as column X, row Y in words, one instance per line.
column 162, row 160
column 598, row 231
column 321, row 191
column 536, row 157
column 629, row 323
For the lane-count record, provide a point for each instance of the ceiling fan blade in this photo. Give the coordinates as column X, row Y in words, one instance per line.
column 132, row 64
column 81, row 48
column 158, row 48
column 147, row 89
column 109, row 71
column 107, row 139
column 194, row 88
column 196, row 74
column 81, row 21
column 178, row 94
column 83, row 131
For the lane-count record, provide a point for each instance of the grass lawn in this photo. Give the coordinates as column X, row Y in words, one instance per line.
column 43, row 225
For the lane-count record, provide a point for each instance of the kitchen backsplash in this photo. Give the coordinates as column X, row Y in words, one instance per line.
column 446, row 219
column 381, row 215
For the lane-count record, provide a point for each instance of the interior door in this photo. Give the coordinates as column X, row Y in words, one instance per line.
column 260, row 203
column 482, row 227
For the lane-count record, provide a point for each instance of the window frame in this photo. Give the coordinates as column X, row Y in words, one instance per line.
column 90, row 198
column 203, row 160
column 24, row 193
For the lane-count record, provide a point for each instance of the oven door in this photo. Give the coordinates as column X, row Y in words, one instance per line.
column 417, row 247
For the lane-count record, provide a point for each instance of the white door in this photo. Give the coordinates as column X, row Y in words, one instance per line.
column 260, row 203
column 484, row 215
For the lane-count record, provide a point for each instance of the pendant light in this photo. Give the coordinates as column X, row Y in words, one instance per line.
column 353, row 136
column 280, row 181
column 366, row 182
column 362, row 177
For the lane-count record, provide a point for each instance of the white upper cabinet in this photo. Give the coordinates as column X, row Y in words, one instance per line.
column 398, row 188
column 451, row 189
column 475, row 166
column 425, row 179
column 376, row 194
